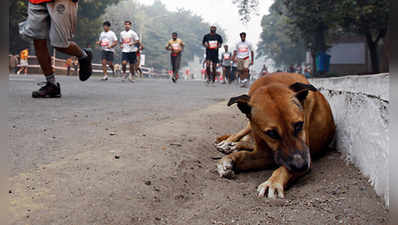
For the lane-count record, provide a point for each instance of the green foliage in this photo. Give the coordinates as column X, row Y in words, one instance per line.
column 18, row 13
column 278, row 40
column 155, row 24
column 317, row 22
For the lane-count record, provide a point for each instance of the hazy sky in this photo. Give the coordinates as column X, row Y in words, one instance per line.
column 224, row 13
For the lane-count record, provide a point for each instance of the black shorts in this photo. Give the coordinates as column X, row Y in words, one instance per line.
column 212, row 55
column 130, row 57
column 107, row 55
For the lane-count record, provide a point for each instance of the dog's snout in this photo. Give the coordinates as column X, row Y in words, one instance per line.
column 299, row 163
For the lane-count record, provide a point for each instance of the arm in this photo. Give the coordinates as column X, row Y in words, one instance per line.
column 168, row 46
column 252, row 57
column 205, row 43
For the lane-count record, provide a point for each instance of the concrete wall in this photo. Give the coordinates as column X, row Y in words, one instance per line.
column 360, row 106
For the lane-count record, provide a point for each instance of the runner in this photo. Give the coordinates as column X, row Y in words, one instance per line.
column 128, row 43
column 176, row 46
column 212, row 42
column 108, row 42
column 138, row 64
column 226, row 62
column 244, row 56
column 56, row 21
column 24, row 56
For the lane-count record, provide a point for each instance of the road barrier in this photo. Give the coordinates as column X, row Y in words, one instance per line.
column 60, row 68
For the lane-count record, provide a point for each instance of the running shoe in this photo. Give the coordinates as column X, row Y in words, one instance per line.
column 86, row 68
column 49, row 90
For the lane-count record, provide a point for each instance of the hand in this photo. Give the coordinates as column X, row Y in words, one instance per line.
column 206, row 44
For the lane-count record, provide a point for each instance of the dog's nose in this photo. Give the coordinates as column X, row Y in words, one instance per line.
column 298, row 163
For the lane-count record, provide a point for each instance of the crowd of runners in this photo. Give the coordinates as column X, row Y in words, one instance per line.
column 55, row 21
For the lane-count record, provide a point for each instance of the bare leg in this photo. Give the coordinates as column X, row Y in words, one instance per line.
column 73, row 50
column 124, row 68
column 43, row 56
column 104, row 67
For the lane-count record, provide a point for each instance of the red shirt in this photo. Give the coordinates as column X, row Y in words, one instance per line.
column 39, row 1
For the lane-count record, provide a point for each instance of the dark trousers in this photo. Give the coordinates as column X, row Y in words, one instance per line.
column 175, row 63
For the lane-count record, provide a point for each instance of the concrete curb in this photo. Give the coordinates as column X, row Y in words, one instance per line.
column 360, row 106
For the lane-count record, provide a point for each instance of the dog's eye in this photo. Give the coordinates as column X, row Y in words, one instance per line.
column 273, row 134
column 298, row 127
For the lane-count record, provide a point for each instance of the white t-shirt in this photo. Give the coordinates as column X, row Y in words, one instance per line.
column 127, row 37
column 243, row 49
column 107, row 39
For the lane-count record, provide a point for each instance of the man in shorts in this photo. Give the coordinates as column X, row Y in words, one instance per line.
column 108, row 42
column 176, row 46
column 54, row 20
column 226, row 62
column 129, row 43
column 212, row 42
column 244, row 57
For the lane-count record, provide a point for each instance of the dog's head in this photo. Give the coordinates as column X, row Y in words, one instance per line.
column 276, row 115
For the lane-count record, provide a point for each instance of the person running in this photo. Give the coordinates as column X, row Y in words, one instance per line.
column 138, row 63
column 226, row 62
column 244, row 56
column 128, row 43
column 108, row 42
column 175, row 46
column 212, row 42
column 55, row 21
column 24, row 56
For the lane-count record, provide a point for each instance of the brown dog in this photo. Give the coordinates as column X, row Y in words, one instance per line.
column 289, row 121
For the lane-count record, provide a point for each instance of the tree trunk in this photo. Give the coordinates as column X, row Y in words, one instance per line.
column 374, row 55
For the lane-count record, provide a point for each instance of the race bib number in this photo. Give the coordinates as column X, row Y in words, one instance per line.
column 176, row 46
column 243, row 49
column 213, row 44
column 126, row 40
column 227, row 56
column 105, row 43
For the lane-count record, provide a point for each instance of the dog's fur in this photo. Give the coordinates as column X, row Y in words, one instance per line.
column 289, row 121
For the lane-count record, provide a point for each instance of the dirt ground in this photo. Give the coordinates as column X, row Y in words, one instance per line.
column 165, row 173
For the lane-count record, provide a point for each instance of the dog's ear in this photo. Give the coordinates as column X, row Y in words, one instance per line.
column 243, row 104
column 302, row 90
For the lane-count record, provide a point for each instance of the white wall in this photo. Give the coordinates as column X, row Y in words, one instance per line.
column 360, row 106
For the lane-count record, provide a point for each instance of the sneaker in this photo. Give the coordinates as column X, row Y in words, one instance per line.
column 49, row 90
column 173, row 79
column 105, row 78
column 86, row 68
column 131, row 79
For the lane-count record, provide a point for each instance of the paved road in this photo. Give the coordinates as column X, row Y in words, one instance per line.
column 43, row 129
column 121, row 153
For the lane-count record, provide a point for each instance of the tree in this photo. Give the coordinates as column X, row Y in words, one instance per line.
column 278, row 40
column 319, row 21
column 369, row 18
column 18, row 13
column 155, row 24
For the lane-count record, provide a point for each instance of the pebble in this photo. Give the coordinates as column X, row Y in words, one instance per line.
column 148, row 182
column 117, row 156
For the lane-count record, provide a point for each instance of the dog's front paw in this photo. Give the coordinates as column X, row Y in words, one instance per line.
column 274, row 188
column 226, row 147
column 225, row 167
